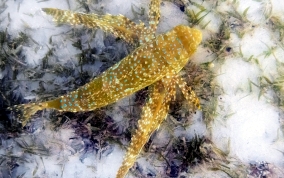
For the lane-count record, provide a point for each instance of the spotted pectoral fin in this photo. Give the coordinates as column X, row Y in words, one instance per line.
column 154, row 112
column 118, row 25
column 187, row 92
column 154, row 14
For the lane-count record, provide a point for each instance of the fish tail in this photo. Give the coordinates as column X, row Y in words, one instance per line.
column 24, row 111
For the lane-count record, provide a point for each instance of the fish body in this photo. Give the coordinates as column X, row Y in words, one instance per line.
column 162, row 56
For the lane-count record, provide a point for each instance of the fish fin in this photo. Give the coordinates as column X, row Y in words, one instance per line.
column 23, row 112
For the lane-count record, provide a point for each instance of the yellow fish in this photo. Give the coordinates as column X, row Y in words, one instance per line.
column 163, row 56
column 155, row 63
